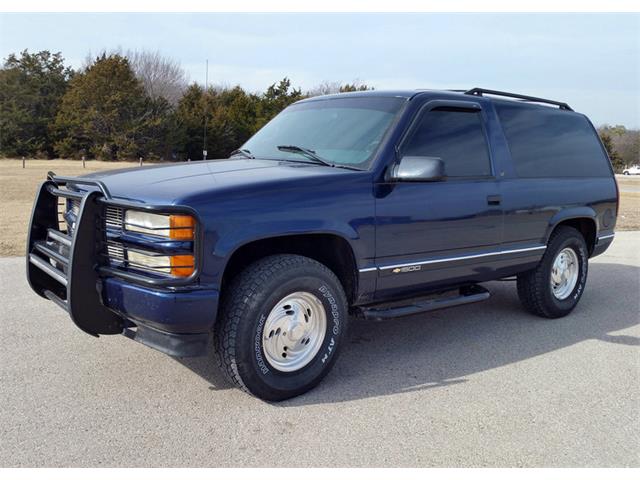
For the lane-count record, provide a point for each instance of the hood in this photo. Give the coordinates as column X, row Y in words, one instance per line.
column 176, row 183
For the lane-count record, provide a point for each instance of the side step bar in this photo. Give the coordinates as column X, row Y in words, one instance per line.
column 469, row 294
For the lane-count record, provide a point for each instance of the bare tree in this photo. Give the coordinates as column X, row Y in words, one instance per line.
column 324, row 88
column 328, row 88
column 160, row 76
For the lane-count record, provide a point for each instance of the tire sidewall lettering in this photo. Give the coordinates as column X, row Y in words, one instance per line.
column 582, row 280
column 257, row 345
column 334, row 316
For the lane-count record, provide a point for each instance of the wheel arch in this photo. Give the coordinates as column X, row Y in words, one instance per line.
column 331, row 249
column 582, row 219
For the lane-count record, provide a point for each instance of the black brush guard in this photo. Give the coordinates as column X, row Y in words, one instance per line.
column 64, row 268
column 67, row 268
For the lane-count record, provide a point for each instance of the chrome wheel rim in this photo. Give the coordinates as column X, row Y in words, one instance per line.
column 564, row 273
column 294, row 331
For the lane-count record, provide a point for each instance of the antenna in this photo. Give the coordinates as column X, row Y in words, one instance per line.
column 206, row 103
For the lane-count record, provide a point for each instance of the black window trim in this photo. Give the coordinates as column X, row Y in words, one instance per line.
column 458, row 104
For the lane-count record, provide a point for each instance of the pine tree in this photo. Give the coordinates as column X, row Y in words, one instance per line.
column 616, row 160
column 31, row 88
column 107, row 115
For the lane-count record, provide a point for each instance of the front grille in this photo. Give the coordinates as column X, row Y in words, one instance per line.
column 114, row 222
column 115, row 251
column 114, row 217
column 119, row 254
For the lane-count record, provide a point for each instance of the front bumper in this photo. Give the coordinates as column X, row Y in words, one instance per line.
column 180, row 312
column 72, row 270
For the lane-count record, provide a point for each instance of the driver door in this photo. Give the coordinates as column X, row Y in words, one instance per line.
column 429, row 233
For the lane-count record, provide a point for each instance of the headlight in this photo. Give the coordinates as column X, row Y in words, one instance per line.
column 160, row 262
column 176, row 227
column 171, row 227
column 175, row 265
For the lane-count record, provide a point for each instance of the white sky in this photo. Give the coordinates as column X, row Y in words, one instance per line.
column 591, row 61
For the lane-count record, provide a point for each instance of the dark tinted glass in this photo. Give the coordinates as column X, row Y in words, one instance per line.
column 455, row 136
column 546, row 142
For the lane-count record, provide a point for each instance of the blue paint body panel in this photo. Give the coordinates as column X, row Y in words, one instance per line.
column 447, row 227
column 187, row 311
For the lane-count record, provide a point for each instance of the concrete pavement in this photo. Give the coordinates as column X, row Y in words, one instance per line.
column 480, row 385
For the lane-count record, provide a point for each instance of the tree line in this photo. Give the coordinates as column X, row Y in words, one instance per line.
column 122, row 106
column 125, row 106
column 622, row 145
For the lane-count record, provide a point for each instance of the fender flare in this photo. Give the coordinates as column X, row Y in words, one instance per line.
column 570, row 214
column 227, row 247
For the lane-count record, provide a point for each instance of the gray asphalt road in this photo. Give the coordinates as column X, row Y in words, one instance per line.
column 481, row 385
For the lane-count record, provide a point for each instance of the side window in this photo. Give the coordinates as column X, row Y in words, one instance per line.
column 547, row 142
column 455, row 136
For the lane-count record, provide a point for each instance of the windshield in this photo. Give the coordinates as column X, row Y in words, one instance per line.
column 342, row 131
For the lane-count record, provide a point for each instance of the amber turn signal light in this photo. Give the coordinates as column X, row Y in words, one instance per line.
column 182, row 227
column 182, row 265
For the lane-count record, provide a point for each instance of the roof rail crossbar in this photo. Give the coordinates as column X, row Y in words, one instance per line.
column 480, row 91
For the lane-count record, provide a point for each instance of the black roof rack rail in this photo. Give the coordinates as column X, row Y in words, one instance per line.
column 480, row 91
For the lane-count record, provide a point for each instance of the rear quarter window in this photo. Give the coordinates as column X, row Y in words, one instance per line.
column 546, row 142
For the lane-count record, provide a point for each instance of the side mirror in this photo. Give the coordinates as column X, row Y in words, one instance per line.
column 418, row 169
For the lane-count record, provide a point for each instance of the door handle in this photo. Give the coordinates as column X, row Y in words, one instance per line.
column 494, row 199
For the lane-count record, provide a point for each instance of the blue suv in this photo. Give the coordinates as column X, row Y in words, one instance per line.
column 372, row 205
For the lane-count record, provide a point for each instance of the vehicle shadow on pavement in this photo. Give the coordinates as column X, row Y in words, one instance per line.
column 446, row 347
column 207, row 368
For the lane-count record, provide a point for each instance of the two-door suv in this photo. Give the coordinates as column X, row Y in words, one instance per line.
column 371, row 204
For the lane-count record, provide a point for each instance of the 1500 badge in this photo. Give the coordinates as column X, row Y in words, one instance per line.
column 411, row 268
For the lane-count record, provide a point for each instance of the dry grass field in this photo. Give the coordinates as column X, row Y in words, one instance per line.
column 629, row 216
column 18, row 187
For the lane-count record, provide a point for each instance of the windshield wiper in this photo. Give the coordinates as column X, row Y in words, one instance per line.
column 242, row 151
column 306, row 152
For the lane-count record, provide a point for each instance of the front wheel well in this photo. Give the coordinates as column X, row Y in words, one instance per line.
column 586, row 226
column 331, row 250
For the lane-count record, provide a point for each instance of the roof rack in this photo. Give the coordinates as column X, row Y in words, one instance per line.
column 480, row 91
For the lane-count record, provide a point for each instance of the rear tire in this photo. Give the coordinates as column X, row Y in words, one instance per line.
column 283, row 322
column 554, row 287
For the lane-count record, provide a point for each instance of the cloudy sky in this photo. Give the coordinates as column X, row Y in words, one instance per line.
column 591, row 61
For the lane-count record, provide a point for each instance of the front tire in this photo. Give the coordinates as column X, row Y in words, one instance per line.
column 283, row 322
column 554, row 287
